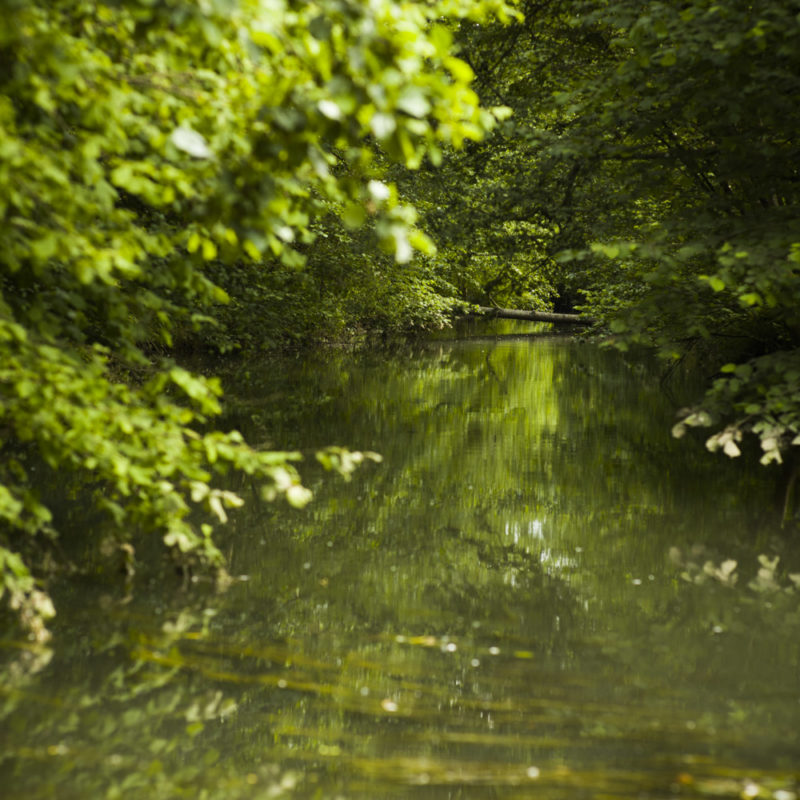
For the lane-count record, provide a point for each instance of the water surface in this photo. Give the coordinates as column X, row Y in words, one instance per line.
column 512, row 604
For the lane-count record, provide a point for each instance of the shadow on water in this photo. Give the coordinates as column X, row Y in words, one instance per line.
column 527, row 598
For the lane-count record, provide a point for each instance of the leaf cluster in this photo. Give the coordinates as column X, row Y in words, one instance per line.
column 157, row 159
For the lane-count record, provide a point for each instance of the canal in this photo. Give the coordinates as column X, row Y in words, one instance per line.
column 536, row 593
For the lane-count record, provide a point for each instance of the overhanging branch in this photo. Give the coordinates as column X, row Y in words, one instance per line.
column 533, row 316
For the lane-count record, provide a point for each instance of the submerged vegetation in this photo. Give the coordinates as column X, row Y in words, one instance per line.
column 239, row 175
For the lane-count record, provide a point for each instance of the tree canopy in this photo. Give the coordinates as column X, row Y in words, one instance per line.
column 239, row 174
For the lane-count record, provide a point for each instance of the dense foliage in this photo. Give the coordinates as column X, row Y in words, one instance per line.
column 152, row 155
column 240, row 174
column 649, row 172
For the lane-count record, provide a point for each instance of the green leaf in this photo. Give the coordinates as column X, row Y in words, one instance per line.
column 669, row 58
column 209, row 250
column 414, row 102
column 354, row 215
column 459, row 69
column 750, row 299
column 194, row 243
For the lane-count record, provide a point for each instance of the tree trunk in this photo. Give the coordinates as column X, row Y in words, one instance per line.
column 535, row 316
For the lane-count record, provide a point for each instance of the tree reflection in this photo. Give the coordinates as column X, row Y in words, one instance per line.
column 491, row 608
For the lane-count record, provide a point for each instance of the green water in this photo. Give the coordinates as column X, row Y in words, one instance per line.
column 511, row 605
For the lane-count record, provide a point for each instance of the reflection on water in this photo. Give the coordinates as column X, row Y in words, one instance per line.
column 490, row 612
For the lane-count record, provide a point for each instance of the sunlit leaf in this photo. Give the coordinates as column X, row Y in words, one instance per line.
column 191, row 142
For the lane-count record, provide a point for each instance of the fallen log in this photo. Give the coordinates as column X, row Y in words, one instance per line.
column 534, row 316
